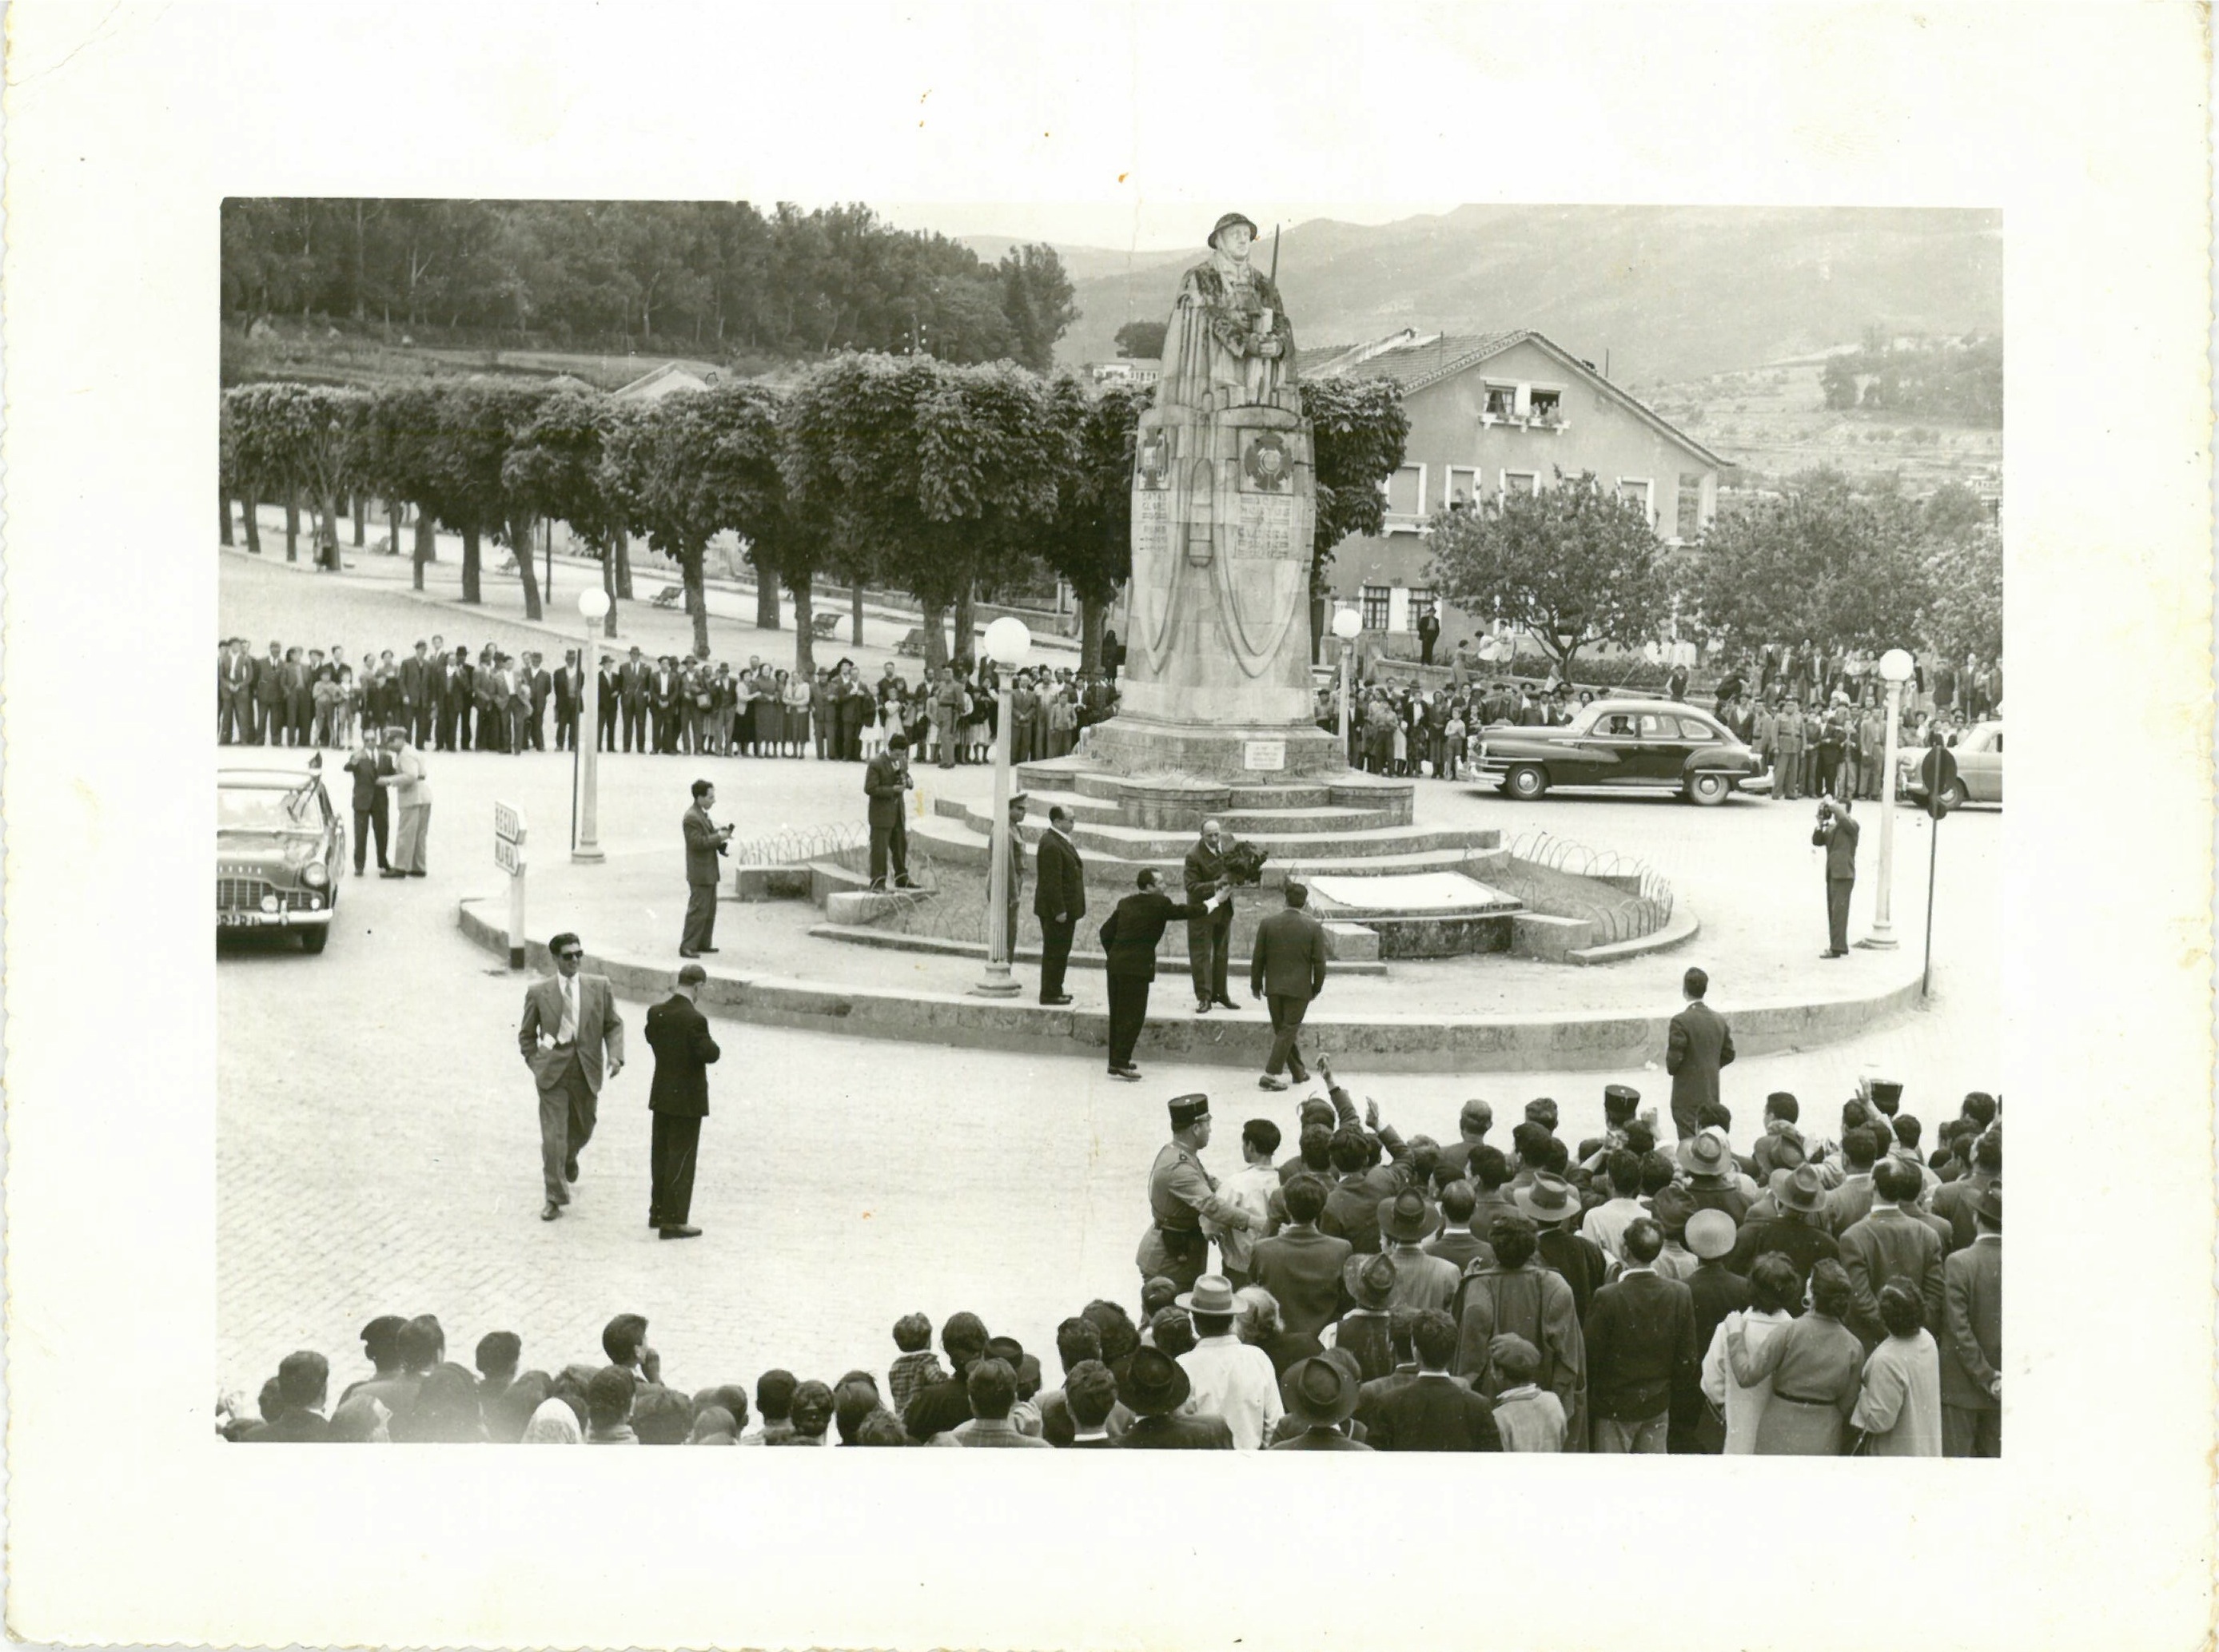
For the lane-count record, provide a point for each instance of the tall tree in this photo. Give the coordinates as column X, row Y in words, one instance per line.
column 1571, row 564
column 1818, row 563
column 1089, row 538
column 1036, row 297
column 477, row 422
column 557, row 469
column 1357, row 431
column 303, row 440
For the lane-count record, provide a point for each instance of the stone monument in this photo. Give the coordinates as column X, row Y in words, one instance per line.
column 1217, row 679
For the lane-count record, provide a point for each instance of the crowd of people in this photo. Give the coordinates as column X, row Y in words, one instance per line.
column 445, row 700
column 1805, row 1297
column 1819, row 721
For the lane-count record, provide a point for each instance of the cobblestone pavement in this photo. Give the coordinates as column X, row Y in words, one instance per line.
column 377, row 1149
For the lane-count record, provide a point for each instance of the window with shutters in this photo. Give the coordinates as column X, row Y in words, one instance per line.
column 1377, row 600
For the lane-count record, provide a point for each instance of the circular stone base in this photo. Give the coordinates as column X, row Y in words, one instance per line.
column 1133, row 745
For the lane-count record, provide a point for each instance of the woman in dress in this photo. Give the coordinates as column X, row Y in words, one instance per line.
column 797, row 697
column 1815, row 1363
column 770, row 715
column 1774, row 1293
column 1899, row 1402
column 874, row 730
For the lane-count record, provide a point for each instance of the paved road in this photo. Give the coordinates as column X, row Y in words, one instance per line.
column 377, row 1146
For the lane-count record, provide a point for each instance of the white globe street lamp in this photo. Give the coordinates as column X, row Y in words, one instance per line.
column 1895, row 668
column 593, row 607
column 1009, row 643
column 1348, row 625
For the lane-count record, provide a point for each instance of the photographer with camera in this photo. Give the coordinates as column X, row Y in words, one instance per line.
column 705, row 841
column 1837, row 834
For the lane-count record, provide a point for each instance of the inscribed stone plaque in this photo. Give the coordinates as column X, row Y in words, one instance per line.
column 1265, row 525
column 1151, row 517
column 1264, row 753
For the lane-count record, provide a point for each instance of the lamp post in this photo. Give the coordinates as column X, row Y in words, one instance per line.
column 1895, row 671
column 1008, row 643
column 1348, row 625
column 593, row 605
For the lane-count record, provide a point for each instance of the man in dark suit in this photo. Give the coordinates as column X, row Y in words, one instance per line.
column 1971, row 1335
column 705, row 845
column 569, row 693
column 887, row 784
column 632, row 690
column 236, row 679
column 1129, row 939
column 1640, row 1341
column 1287, row 970
column 678, row 1032
column 1209, row 943
column 372, row 815
column 609, row 711
column 1698, row 1044
column 299, row 706
column 571, row 1037
column 1435, row 1411
column 462, row 701
column 1058, row 900
column 662, row 691
column 270, row 698
column 1837, row 835
column 416, row 694
column 1300, row 1264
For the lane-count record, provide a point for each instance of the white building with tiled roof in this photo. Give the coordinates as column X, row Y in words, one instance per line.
column 1497, row 412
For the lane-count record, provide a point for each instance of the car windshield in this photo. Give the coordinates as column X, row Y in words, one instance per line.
column 263, row 809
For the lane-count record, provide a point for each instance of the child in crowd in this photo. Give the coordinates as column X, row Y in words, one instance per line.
column 1528, row 1417
column 917, row 1367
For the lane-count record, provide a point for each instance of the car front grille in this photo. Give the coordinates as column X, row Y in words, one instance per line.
column 245, row 895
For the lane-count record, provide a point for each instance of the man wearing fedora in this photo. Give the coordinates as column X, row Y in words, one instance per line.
column 1320, row 1395
column 1713, row 1292
column 1553, row 1205
column 1697, row 1045
column 1422, row 1281
column 1155, row 1389
column 1713, row 1179
column 1180, row 1195
column 1230, row 1378
column 1435, row 1411
column 1971, row 1335
column 1796, row 1229
column 1368, row 1282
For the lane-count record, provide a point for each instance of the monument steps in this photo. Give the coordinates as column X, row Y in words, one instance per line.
column 1142, row 843
column 953, row 840
column 1241, row 822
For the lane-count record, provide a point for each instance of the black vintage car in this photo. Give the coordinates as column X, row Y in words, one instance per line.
column 280, row 851
column 1638, row 744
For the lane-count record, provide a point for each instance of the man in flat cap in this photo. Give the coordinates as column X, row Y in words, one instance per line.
column 1180, row 1194
column 678, row 1032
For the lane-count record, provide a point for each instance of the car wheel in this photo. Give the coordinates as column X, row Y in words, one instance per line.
column 1525, row 782
column 311, row 940
column 1954, row 797
column 1709, row 789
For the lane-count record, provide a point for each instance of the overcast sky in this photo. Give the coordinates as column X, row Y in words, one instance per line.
column 1132, row 225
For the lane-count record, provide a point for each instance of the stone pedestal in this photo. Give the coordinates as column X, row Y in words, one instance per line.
column 1216, row 624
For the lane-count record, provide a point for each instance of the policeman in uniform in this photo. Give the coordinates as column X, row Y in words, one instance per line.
column 1180, row 1194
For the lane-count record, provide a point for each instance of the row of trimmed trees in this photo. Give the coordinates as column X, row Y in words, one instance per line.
column 1823, row 561
column 951, row 483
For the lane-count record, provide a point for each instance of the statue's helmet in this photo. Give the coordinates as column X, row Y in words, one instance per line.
column 1227, row 221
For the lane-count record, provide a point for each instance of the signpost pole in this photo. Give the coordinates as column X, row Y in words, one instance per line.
column 1933, row 852
column 509, row 853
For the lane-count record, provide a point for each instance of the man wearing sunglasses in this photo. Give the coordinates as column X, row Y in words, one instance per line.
column 571, row 1030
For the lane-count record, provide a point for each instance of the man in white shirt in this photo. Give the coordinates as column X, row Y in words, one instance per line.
column 1250, row 1187
column 1231, row 1379
column 1607, row 1223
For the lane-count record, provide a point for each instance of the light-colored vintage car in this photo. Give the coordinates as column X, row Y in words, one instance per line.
column 1979, row 754
column 1623, row 744
column 280, row 850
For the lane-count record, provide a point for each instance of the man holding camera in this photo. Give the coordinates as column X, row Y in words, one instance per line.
column 705, row 844
column 886, row 783
column 1837, row 834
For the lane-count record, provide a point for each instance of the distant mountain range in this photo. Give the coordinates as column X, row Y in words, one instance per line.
column 1670, row 293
